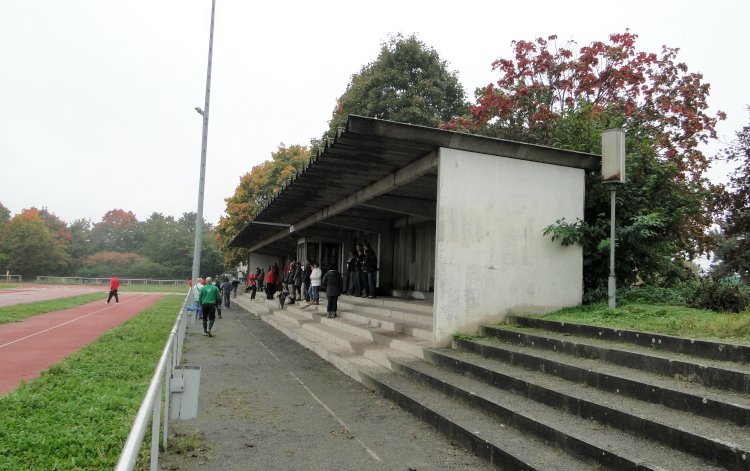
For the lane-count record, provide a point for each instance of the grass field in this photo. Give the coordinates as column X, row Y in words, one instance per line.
column 672, row 320
column 78, row 413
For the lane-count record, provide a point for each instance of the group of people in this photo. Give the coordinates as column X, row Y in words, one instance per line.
column 361, row 271
column 209, row 295
column 301, row 282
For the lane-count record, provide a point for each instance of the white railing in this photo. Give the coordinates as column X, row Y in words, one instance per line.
column 103, row 281
column 154, row 399
column 8, row 278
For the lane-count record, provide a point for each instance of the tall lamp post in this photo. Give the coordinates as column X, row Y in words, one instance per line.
column 613, row 175
column 204, row 144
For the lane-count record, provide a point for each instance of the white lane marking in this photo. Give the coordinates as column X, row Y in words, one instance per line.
column 260, row 342
column 64, row 323
column 341, row 422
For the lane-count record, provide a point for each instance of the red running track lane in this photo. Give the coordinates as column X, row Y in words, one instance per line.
column 34, row 293
column 27, row 348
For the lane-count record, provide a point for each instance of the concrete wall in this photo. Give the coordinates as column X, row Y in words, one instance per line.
column 491, row 258
column 263, row 261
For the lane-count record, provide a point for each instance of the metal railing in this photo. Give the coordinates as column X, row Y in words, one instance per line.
column 8, row 278
column 103, row 281
column 155, row 401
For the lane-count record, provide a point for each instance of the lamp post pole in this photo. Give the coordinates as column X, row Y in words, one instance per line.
column 613, row 175
column 204, row 145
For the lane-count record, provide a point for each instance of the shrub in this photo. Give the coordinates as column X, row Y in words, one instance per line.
column 723, row 295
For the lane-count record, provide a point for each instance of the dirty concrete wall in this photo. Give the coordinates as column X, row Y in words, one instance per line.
column 491, row 258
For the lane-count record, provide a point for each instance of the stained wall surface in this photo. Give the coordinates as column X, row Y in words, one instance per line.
column 491, row 258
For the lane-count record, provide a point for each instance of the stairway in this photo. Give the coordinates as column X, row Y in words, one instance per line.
column 544, row 395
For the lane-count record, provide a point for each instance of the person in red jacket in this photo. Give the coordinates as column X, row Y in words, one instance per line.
column 114, row 284
column 271, row 279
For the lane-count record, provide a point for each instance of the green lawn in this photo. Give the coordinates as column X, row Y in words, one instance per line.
column 78, row 413
column 8, row 285
column 672, row 320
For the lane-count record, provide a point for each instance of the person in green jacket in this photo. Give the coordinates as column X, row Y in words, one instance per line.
column 209, row 297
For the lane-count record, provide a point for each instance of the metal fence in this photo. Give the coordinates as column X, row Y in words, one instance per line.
column 157, row 398
column 67, row 280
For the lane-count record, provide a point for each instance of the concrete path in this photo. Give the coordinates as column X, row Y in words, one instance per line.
column 269, row 404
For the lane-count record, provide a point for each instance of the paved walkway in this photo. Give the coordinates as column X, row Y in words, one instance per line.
column 267, row 403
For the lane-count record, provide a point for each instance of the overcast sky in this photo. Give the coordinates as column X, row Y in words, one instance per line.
column 98, row 96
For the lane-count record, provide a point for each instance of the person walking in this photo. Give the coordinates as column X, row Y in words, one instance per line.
column 209, row 298
column 226, row 291
column 235, row 284
column 196, row 296
column 218, row 306
column 332, row 283
column 315, row 275
column 114, row 285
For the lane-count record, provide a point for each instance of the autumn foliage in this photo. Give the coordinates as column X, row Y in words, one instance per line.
column 612, row 82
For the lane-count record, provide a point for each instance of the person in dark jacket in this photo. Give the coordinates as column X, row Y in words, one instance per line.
column 361, row 275
column 306, row 279
column 351, row 266
column 226, row 291
column 370, row 269
column 332, row 283
column 297, row 283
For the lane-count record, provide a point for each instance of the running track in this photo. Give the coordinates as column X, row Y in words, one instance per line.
column 34, row 293
column 27, row 348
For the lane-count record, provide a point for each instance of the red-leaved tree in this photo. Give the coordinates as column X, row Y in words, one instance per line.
column 565, row 96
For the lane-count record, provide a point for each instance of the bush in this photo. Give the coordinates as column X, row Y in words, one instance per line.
column 723, row 295
column 671, row 296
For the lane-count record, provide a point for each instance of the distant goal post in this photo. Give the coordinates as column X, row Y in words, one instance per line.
column 8, row 278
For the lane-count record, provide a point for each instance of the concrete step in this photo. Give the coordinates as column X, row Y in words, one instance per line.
column 680, row 430
column 446, row 400
column 642, row 385
column 386, row 305
column 713, row 373
column 496, row 441
column 709, row 349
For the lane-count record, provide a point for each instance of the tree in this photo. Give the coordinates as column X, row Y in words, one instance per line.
column 31, row 248
column 564, row 98
column 645, row 93
column 408, row 82
column 117, row 232
column 733, row 253
column 4, row 214
column 256, row 189
column 80, row 242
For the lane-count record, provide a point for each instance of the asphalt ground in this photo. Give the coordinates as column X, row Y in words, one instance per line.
column 267, row 403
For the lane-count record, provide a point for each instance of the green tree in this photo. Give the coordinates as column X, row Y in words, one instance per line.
column 733, row 252
column 118, row 231
column 408, row 82
column 4, row 214
column 80, row 242
column 31, row 248
column 561, row 97
column 256, row 189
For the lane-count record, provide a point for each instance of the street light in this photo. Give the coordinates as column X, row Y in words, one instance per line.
column 613, row 175
column 204, row 144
